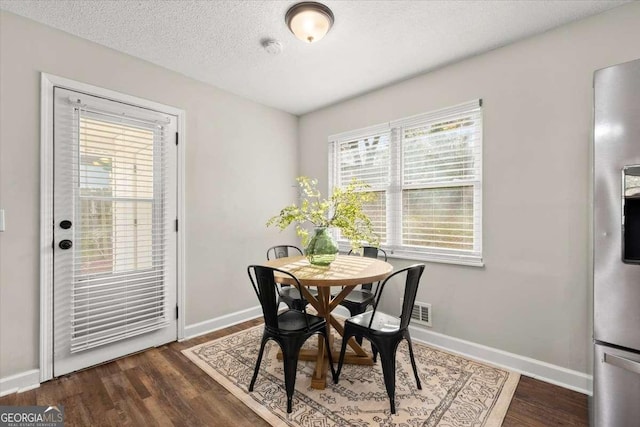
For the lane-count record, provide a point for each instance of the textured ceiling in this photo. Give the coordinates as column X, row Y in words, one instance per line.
column 372, row 43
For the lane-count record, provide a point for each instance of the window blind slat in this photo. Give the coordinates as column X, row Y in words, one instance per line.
column 116, row 334
column 105, row 315
column 95, row 317
column 365, row 159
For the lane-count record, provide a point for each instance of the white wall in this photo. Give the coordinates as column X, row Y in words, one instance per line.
column 533, row 298
column 241, row 161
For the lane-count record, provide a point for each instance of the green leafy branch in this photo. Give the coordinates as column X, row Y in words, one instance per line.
column 342, row 210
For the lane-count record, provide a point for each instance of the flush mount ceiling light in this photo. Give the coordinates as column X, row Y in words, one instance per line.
column 309, row 21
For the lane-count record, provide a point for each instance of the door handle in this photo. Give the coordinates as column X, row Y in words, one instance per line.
column 65, row 244
column 621, row 362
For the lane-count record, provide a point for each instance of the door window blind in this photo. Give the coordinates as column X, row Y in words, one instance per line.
column 430, row 204
column 119, row 255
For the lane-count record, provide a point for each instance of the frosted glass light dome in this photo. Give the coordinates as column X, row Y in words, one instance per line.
column 309, row 21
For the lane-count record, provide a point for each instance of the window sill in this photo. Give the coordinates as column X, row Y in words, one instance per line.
column 429, row 258
column 414, row 256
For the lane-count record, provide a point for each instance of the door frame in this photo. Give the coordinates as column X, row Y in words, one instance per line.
column 47, row 83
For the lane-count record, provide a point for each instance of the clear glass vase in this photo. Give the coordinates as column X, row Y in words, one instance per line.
column 322, row 249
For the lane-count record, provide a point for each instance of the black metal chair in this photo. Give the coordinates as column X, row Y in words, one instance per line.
column 289, row 294
column 290, row 329
column 359, row 299
column 385, row 331
column 282, row 251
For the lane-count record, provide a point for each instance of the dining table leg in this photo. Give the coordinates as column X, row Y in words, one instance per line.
column 319, row 379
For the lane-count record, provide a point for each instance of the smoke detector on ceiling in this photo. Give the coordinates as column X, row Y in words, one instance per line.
column 272, row 46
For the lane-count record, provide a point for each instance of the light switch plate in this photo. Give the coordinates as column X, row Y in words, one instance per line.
column 1, row 219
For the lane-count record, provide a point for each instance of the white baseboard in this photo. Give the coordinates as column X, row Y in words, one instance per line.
column 197, row 329
column 20, row 382
column 543, row 371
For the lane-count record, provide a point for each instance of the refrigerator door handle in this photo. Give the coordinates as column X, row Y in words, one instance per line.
column 623, row 363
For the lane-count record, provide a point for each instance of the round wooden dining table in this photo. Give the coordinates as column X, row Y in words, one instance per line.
column 345, row 272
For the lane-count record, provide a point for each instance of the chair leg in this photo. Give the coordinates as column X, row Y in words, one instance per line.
column 374, row 350
column 389, row 371
column 413, row 363
column 290, row 358
column 354, row 311
column 328, row 346
column 388, row 359
column 343, row 350
column 290, row 366
column 255, row 372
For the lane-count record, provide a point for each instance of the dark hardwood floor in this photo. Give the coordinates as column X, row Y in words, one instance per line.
column 162, row 387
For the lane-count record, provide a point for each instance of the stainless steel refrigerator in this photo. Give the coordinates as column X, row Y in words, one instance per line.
column 616, row 262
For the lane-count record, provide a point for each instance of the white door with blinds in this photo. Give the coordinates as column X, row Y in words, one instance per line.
column 114, row 246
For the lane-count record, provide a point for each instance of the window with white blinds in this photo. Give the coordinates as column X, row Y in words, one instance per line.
column 427, row 173
column 366, row 158
column 119, row 284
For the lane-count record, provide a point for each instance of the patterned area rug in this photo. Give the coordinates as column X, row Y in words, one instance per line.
column 455, row 391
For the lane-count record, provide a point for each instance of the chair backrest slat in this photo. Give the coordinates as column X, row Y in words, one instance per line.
column 282, row 251
column 265, row 286
column 410, row 291
column 370, row 252
column 413, row 272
